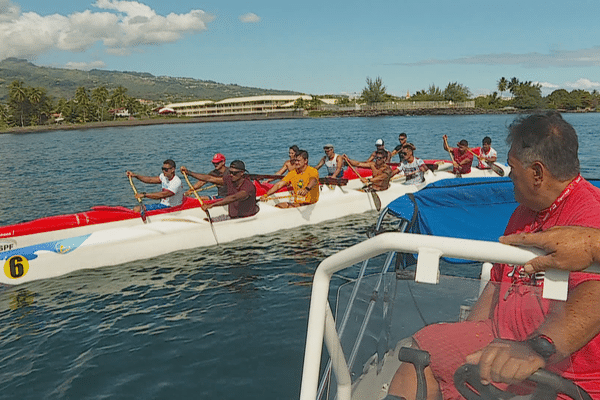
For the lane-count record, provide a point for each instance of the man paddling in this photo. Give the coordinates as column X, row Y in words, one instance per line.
column 413, row 168
column 380, row 145
column 486, row 153
column 511, row 331
column 332, row 161
column 381, row 172
column 218, row 162
column 241, row 192
column 171, row 194
column 463, row 158
column 304, row 183
column 403, row 139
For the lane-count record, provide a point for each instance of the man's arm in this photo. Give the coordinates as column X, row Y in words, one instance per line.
column 570, row 325
column 241, row 195
column 371, row 157
column 145, row 179
column 203, row 177
column 320, row 164
column 155, row 195
column 571, row 248
column 274, row 189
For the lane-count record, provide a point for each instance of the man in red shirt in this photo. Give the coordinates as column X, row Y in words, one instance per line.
column 462, row 157
column 511, row 331
column 241, row 192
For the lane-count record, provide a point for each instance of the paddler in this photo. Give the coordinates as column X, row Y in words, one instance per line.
column 413, row 168
column 171, row 194
column 380, row 180
column 462, row 157
column 332, row 161
column 290, row 164
column 218, row 162
column 304, row 183
column 486, row 153
column 380, row 145
column 241, row 192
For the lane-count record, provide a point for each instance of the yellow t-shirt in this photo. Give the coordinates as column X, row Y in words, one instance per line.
column 300, row 181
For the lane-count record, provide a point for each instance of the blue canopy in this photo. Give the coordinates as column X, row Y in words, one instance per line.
column 467, row 208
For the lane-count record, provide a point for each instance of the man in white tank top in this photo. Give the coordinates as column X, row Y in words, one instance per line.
column 332, row 161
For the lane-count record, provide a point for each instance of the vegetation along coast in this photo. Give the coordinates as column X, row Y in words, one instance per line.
column 37, row 99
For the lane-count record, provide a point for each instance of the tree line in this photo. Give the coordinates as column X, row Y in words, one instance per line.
column 524, row 95
column 28, row 106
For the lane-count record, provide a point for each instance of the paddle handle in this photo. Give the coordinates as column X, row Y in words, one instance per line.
column 363, row 180
column 201, row 204
column 142, row 208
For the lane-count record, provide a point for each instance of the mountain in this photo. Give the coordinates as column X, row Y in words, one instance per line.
column 62, row 82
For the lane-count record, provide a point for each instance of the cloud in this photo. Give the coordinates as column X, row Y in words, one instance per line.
column 85, row 66
column 122, row 27
column 249, row 18
column 555, row 58
column 583, row 83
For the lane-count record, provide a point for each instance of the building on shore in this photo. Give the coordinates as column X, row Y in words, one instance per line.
column 268, row 104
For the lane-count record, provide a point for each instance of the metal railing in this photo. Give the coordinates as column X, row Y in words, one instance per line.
column 400, row 105
column 321, row 323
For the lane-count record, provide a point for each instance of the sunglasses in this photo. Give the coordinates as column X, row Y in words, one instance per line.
column 235, row 172
column 380, row 158
column 166, row 168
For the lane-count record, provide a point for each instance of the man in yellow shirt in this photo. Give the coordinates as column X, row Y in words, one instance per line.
column 304, row 183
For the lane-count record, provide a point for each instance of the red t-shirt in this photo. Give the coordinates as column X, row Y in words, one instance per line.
column 459, row 157
column 520, row 309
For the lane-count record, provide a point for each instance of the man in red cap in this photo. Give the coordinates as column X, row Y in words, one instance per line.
column 218, row 161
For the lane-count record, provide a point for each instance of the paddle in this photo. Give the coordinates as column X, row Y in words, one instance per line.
column 374, row 195
column 329, row 180
column 450, row 153
column 490, row 164
column 142, row 206
column 212, row 227
column 258, row 177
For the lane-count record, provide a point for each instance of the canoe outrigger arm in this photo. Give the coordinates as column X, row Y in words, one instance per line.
column 321, row 324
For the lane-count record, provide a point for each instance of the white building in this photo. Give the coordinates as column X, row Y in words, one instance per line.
column 238, row 106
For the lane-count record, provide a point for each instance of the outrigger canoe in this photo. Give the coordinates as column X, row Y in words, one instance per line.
column 58, row 245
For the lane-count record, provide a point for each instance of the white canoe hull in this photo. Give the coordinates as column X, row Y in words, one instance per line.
column 56, row 253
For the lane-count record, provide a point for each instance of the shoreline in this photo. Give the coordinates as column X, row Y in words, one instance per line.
column 264, row 117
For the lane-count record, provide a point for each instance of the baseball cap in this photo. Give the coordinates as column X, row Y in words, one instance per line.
column 238, row 164
column 379, row 142
column 328, row 146
column 218, row 158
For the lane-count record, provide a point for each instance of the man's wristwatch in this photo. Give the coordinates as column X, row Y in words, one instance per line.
column 144, row 194
column 543, row 345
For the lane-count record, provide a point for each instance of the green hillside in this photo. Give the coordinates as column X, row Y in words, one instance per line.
column 61, row 82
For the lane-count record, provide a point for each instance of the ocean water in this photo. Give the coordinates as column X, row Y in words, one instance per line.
column 226, row 321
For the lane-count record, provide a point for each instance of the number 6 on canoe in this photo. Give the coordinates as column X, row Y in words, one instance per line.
column 212, row 227
column 142, row 206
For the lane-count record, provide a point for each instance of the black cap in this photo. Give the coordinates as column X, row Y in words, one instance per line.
column 238, row 164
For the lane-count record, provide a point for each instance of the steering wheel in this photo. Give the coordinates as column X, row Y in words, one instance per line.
column 468, row 383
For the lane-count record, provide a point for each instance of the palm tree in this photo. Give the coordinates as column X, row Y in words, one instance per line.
column 83, row 101
column 99, row 97
column 18, row 96
column 513, row 85
column 502, row 85
column 118, row 99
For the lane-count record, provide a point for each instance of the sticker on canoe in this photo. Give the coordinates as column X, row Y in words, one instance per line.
column 7, row 244
column 16, row 267
column 62, row 246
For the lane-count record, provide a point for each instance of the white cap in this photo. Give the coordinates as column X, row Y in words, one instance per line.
column 379, row 142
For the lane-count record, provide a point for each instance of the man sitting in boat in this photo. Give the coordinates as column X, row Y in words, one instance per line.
column 241, row 192
column 380, row 180
column 402, row 138
column 332, row 161
column 218, row 162
column 171, row 194
column 511, row 331
column 462, row 157
column 379, row 145
column 486, row 154
column 304, row 183
column 413, row 168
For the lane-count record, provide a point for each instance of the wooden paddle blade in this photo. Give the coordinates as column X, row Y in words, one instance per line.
column 143, row 212
column 496, row 168
column 376, row 200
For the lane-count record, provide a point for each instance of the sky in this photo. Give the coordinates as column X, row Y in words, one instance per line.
column 316, row 47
